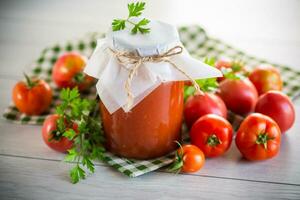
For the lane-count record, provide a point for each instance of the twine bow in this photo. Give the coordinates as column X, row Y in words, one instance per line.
column 128, row 58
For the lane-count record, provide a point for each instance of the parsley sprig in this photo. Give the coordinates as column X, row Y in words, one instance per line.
column 135, row 10
column 229, row 73
column 206, row 85
column 87, row 136
column 236, row 71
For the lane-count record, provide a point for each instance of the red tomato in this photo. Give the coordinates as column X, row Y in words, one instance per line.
column 33, row 97
column 212, row 134
column 236, row 66
column 223, row 63
column 266, row 78
column 192, row 157
column 68, row 72
column 199, row 105
column 279, row 107
column 50, row 125
column 240, row 96
column 258, row 137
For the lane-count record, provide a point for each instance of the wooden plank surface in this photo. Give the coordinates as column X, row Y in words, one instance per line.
column 38, row 179
column 30, row 170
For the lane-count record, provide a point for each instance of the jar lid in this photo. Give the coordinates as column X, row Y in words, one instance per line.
column 161, row 38
column 113, row 75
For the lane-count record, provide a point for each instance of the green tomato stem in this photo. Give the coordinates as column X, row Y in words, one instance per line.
column 263, row 138
column 79, row 77
column 213, row 140
column 29, row 82
column 177, row 164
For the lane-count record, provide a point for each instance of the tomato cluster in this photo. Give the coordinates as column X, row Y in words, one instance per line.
column 34, row 96
column 254, row 95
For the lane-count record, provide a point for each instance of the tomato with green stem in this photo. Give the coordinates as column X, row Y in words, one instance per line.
column 32, row 97
column 197, row 105
column 188, row 158
column 54, row 137
column 68, row 72
column 258, row 137
column 212, row 134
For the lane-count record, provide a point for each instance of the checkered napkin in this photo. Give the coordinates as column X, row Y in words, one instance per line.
column 196, row 42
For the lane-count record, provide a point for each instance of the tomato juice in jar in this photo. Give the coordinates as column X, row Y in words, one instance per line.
column 151, row 128
column 129, row 66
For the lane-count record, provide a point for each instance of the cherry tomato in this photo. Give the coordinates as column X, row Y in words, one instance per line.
column 236, row 66
column 279, row 107
column 258, row 137
column 50, row 125
column 32, row 97
column 68, row 72
column 239, row 95
column 199, row 105
column 192, row 157
column 212, row 134
column 266, row 78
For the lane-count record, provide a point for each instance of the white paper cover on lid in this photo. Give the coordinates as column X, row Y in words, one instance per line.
column 112, row 76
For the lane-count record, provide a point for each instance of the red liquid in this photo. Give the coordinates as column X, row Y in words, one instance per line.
column 150, row 128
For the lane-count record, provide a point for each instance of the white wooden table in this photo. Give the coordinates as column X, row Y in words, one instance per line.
column 30, row 170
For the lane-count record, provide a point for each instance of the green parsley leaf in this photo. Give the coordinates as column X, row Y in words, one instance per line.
column 118, row 24
column 97, row 153
column 210, row 61
column 70, row 134
column 59, row 110
column 82, row 126
column 69, row 95
column 73, row 94
column 135, row 9
column 230, row 74
column 138, row 27
column 76, row 174
column 61, row 127
column 64, row 94
column 88, row 163
column 71, row 156
column 208, row 84
column 188, row 91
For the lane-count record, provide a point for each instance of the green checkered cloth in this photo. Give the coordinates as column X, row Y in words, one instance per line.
column 134, row 168
column 196, row 42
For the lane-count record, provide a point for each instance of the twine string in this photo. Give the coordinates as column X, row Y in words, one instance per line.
column 132, row 59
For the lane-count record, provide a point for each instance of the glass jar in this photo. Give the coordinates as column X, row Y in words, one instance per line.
column 151, row 128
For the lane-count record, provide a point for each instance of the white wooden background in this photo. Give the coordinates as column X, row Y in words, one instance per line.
column 29, row 170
